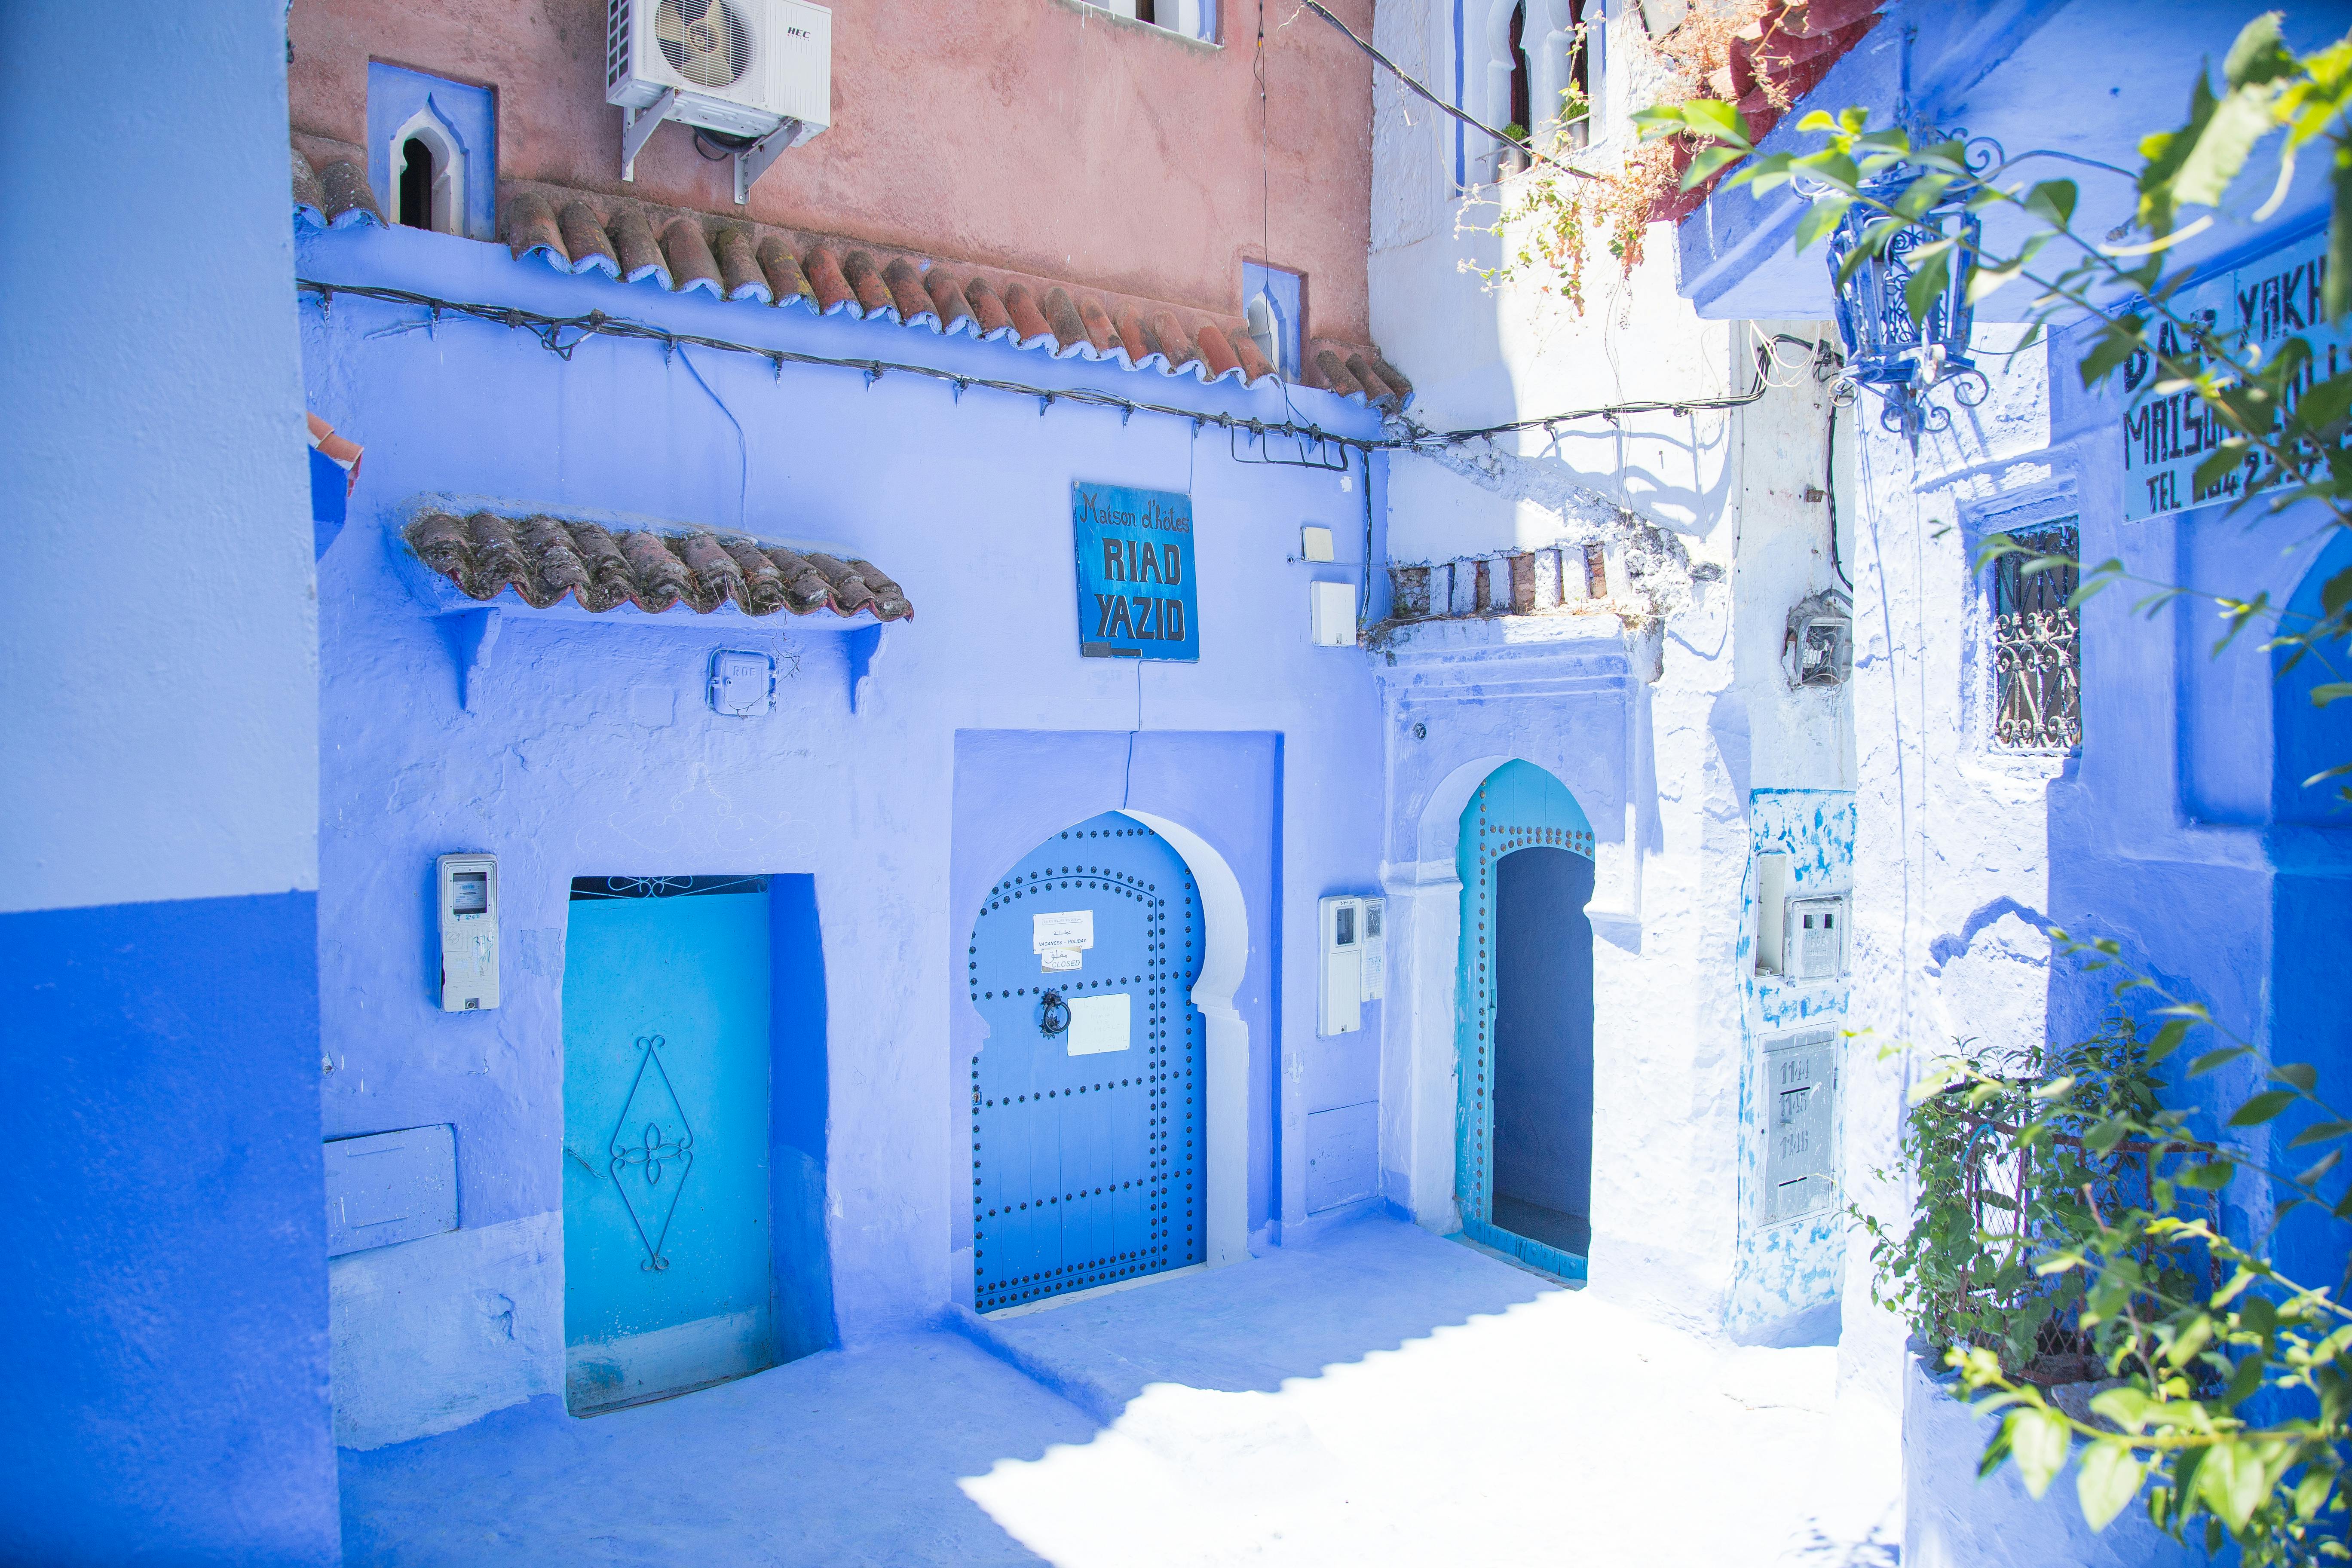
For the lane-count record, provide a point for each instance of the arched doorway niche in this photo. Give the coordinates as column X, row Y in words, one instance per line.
column 1524, row 1014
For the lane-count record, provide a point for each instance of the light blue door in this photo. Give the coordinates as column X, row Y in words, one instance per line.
column 1087, row 1098
column 668, row 1272
column 1524, row 1128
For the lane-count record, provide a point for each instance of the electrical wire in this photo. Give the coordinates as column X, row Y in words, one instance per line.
column 562, row 335
column 1390, row 67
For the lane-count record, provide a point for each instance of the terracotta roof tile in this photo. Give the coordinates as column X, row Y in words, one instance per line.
column 690, row 262
column 633, row 242
column 865, row 279
column 739, row 268
column 784, row 274
column 832, row 290
column 544, row 559
column 904, row 281
column 949, row 308
column 585, row 242
column 753, row 263
column 987, row 308
column 1774, row 61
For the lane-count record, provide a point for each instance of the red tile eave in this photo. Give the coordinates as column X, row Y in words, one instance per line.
column 736, row 260
column 1775, row 61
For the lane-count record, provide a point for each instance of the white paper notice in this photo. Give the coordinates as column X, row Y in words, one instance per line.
column 1097, row 1024
column 1075, row 928
column 1055, row 960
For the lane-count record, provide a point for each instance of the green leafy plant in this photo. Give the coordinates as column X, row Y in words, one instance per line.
column 2286, row 426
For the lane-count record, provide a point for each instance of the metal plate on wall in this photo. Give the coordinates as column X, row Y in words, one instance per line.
column 1799, row 1112
column 391, row 1186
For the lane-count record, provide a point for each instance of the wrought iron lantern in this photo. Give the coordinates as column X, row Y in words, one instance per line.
column 1900, row 360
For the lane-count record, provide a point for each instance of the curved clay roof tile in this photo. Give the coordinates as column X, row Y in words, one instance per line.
column 947, row 301
column 632, row 244
column 987, row 308
column 1251, row 359
column 690, row 262
column 1216, row 352
column 786, row 281
column 739, row 268
column 531, row 230
column 1099, row 331
column 309, row 195
column 1335, row 374
column 904, row 281
column 1169, row 333
column 859, row 271
column 348, row 201
column 1028, row 319
column 585, row 241
column 833, row 290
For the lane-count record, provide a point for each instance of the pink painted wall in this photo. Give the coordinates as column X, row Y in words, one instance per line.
column 1040, row 136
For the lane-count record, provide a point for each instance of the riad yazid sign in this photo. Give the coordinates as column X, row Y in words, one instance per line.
column 1135, row 573
column 2261, row 305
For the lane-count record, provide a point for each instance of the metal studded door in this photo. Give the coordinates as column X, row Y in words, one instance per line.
column 1087, row 1097
column 1520, row 808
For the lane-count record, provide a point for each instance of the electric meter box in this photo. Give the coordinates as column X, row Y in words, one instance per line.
column 1339, row 996
column 1814, row 936
column 1370, row 935
column 465, row 892
column 1800, row 1076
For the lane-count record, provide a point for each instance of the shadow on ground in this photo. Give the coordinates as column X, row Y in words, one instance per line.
column 859, row 1457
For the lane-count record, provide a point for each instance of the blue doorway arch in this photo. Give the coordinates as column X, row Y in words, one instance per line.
column 1524, row 1012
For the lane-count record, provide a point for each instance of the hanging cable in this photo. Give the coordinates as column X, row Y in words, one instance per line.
column 562, row 335
column 1390, row 67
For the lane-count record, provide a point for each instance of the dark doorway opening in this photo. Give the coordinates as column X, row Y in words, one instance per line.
column 1543, row 1049
column 416, row 174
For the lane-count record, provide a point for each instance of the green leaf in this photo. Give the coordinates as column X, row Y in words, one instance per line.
column 2301, row 1075
column 1820, row 218
column 1931, row 272
column 2231, row 1482
column 2122, row 338
column 2326, row 404
column 2039, row 1440
column 2330, row 692
column 2210, row 1177
column 1709, row 117
column 2052, row 201
column 2132, row 1409
column 2319, row 1132
column 2337, row 296
column 2168, row 1039
column 2107, row 1478
column 2217, row 467
column 1707, row 161
column 2262, row 1108
column 2258, row 55
column 2213, row 1059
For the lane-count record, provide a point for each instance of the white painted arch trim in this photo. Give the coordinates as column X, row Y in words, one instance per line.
column 1224, row 1153
column 448, row 167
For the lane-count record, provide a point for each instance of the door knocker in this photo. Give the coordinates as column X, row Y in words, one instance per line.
column 1052, row 1015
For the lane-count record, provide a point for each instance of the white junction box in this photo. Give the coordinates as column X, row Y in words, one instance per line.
column 1376, row 948
column 1347, row 948
column 1799, row 1113
column 466, row 890
column 742, row 683
column 1331, row 613
column 1814, row 936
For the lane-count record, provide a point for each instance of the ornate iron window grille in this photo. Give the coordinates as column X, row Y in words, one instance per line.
column 2037, row 645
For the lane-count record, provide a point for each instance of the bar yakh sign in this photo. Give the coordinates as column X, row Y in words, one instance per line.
column 1135, row 573
column 2260, row 305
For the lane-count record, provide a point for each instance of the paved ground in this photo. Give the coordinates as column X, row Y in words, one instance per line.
column 1380, row 1397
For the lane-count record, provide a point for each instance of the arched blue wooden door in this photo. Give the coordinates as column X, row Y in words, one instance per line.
column 1523, row 1002
column 1088, row 1098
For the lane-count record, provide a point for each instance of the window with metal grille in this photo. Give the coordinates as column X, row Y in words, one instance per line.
column 2037, row 643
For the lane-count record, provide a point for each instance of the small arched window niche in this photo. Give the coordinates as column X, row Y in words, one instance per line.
column 1186, row 18
column 431, row 152
column 1529, row 70
column 1273, row 308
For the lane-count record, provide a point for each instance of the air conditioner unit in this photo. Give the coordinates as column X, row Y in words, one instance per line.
column 758, row 69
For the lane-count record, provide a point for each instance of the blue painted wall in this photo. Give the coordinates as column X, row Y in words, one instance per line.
column 589, row 748
column 166, row 1327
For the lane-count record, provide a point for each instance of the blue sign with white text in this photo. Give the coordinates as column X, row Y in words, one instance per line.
column 1135, row 573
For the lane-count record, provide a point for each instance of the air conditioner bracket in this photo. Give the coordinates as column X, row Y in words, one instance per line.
column 752, row 162
column 637, row 128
